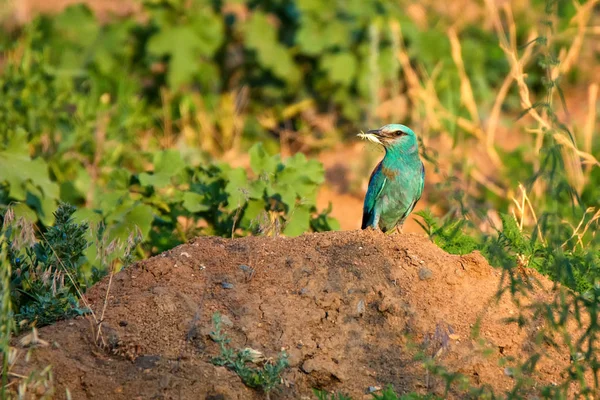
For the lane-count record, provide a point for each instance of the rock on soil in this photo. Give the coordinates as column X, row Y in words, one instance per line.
column 350, row 308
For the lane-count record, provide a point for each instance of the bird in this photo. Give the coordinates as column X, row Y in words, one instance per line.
column 396, row 184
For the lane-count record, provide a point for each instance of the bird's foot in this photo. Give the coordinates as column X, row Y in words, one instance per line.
column 399, row 229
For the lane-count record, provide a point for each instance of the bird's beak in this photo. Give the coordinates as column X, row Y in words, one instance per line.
column 373, row 135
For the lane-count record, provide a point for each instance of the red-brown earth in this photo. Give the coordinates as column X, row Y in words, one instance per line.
column 350, row 308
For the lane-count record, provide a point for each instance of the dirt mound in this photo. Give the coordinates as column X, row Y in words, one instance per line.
column 350, row 308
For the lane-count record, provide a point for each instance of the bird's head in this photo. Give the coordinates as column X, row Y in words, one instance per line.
column 393, row 137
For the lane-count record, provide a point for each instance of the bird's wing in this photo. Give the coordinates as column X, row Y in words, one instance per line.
column 422, row 186
column 376, row 183
column 418, row 194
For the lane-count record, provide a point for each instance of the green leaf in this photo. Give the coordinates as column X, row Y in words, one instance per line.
column 210, row 29
column 253, row 210
column 21, row 210
column 315, row 7
column 109, row 201
column 113, row 46
column 312, row 169
column 261, row 37
column 298, row 221
column 119, row 179
column 83, row 181
column 43, row 206
column 18, row 170
column 159, row 180
column 300, row 179
column 432, row 47
column 77, row 24
column 236, row 188
column 167, row 164
column 310, row 38
column 333, row 224
column 336, row 34
column 256, row 189
column 340, row 67
column 184, row 43
column 193, row 202
column 284, row 191
column 78, row 30
column 87, row 215
column 261, row 162
column 138, row 215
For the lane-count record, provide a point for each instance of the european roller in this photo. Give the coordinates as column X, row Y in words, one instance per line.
column 396, row 183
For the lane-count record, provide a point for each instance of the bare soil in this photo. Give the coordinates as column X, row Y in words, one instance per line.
column 351, row 309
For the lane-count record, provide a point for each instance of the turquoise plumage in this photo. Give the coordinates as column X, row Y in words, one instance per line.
column 397, row 182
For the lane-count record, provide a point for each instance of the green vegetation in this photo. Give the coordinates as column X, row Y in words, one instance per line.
column 90, row 130
column 47, row 272
column 560, row 240
column 49, row 269
column 140, row 138
column 323, row 395
column 7, row 322
column 386, row 394
column 266, row 378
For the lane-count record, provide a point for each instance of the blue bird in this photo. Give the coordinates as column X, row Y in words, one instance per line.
column 396, row 183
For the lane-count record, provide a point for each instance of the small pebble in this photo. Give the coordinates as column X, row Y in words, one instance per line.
column 373, row 389
column 360, row 307
column 425, row 274
column 123, row 323
column 246, row 269
column 225, row 320
column 226, row 285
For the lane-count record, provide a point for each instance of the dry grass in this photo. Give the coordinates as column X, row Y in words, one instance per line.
column 481, row 152
column 216, row 131
column 585, row 224
column 113, row 264
column 524, row 212
column 37, row 382
column 574, row 158
column 41, row 382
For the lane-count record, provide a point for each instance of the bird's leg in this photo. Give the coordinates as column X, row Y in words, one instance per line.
column 400, row 229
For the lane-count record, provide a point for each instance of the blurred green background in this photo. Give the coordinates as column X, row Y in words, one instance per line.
column 162, row 120
column 189, row 117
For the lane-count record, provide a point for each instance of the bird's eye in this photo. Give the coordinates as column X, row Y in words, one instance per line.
column 400, row 133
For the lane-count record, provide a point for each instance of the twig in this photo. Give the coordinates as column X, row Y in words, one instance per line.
column 522, row 211
column 582, row 17
column 466, row 91
column 99, row 328
column 590, row 121
column 499, row 101
column 167, row 118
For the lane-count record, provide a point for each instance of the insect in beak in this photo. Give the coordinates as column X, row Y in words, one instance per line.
column 372, row 135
